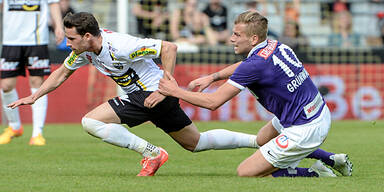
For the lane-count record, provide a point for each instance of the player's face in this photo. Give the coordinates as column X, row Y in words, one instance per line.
column 75, row 41
column 242, row 43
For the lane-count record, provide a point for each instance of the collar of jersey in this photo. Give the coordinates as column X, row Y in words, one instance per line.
column 104, row 45
column 258, row 46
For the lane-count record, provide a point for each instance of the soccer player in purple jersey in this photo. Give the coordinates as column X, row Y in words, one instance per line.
column 276, row 77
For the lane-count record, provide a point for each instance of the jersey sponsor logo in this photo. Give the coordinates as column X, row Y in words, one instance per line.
column 282, row 141
column 72, row 58
column 127, row 78
column 24, row 5
column 142, row 52
column 118, row 65
column 314, row 106
column 268, row 50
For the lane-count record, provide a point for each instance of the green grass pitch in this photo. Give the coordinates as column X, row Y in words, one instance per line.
column 75, row 161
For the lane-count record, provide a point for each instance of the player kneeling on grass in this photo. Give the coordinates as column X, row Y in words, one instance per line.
column 129, row 62
column 279, row 81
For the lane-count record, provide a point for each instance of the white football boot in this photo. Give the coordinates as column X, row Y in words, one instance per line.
column 321, row 169
column 342, row 164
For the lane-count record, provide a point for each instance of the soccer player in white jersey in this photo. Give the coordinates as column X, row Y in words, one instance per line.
column 25, row 46
column 281, row 84
column 129, row 62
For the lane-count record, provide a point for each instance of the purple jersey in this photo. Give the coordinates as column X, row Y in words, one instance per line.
column 279, row 81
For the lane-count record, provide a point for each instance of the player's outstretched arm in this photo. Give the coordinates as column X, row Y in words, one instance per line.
column 201, row 83
column 168, row 86
column 204, row 82
column 53, row 81
column 23, row 101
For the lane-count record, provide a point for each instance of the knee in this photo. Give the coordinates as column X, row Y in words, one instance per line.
column 90, row 125
column 242, row 172
column 86, row 124
column 260, row 141
column 190, row 148
column 36, row 81
column 7, row 87
column 190, row 145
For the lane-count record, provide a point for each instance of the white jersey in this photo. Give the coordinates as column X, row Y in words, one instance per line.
column 124, row 58
column 25, row 22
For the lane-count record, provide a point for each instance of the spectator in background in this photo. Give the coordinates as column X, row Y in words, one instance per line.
column 217, row 14
column 25, row 47
column 292, row 36
column 191, row 25
column 380, row 16
column 263, row 10
column 65, row 8
column 331, row 7
column 340, row 5
column 292, row 11
column 342, row 35
column 152, row 18
column 377, row 40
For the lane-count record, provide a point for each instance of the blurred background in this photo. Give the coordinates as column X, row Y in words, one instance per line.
column 340, row 42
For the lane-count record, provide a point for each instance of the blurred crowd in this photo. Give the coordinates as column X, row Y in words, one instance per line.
column 207, row 22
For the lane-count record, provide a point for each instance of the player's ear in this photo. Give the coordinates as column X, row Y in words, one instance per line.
column 87, row 36
column 254, row 40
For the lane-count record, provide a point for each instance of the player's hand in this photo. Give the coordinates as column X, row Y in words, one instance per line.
column 201, row 83
column 23, row 101
column 153, row 99
column 168, row 85
column 59, row 35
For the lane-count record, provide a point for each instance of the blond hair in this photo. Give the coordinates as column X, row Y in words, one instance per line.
column 256, row 24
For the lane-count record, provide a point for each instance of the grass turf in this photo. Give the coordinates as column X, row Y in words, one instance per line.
column 74, row 161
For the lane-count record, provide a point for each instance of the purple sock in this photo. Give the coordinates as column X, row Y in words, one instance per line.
column 297, row 172
column 323, row 156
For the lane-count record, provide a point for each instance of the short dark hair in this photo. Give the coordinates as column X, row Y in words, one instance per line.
column 83, row 22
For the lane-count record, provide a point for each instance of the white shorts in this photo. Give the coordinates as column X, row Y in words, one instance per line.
column 296, row 142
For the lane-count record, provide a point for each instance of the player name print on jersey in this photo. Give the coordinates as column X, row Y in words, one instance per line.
column 24, row 5
column 287, row 60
